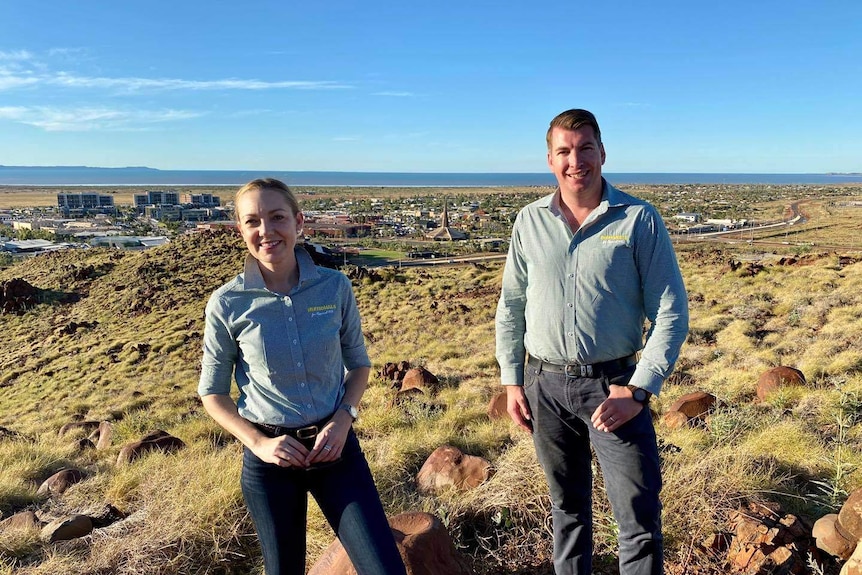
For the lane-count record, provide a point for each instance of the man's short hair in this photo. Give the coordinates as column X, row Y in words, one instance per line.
column 572, row 120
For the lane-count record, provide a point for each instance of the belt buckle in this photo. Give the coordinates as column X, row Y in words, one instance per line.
column 309, row 432
column 579, row 370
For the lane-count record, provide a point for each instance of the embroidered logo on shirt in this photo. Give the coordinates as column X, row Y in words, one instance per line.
column 318, row 310
column 614, row 238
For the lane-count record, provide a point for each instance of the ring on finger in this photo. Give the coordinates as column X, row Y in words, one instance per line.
column 327, row 447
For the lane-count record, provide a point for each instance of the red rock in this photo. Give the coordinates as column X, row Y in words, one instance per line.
column 829, row 539
column 675, row 420
column 850, row 515
column 694, row 405
column 778, row 377
column 155, row 441
column 66, row 528
column 21, row 521
column 419, row 378
column 422, row 540
column 58, row 483
column 448, row 466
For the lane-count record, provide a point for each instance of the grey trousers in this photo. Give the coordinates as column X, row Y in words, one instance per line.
column 561, row 408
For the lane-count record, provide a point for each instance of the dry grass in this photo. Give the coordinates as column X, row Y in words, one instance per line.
column 137, row 365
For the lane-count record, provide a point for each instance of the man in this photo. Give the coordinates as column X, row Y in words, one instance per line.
column 586, row 266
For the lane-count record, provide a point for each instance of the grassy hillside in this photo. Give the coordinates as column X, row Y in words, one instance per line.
column 117, row 337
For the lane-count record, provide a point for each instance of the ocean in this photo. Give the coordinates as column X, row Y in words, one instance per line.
column 87, row 176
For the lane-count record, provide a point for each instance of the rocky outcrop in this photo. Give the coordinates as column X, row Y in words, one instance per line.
column 17, row 296
column 155, row 441
column 777, row 378
column 395, row 372
column 425, row 546
column 449, row 467
column 764, row 541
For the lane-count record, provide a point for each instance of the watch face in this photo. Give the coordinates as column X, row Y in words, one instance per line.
column 639, row 394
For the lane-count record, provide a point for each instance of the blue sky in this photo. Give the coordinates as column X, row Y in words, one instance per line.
column 448, row 86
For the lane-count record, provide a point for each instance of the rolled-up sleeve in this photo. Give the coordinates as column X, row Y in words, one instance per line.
column 220, row 350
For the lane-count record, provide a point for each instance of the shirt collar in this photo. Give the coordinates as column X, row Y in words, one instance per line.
column 611, row 197
column 253, row 279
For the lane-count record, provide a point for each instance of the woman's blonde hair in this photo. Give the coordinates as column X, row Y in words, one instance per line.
column 267, row 184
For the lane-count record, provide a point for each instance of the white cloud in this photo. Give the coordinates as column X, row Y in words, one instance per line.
column 142, row 84
column 90, row 118
column 22, row 68
column 17, row 55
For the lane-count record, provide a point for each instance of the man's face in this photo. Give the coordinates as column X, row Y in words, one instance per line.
column 576, row 157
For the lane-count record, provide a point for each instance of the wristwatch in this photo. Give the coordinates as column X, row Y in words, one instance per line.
column 639, row 394
column 350, row 409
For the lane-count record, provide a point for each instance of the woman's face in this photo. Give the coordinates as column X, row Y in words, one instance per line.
column 269, row 227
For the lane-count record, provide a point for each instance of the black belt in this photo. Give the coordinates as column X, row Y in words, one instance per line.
column 584, row 369
column 305, row 435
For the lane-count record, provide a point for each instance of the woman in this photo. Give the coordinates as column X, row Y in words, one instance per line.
column 287, row 330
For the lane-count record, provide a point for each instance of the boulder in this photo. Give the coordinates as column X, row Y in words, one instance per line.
column 830, row 539
column 695, row 405
column 66, row 528
column 497, row 406
column 850, row 516
column 155, row 441
column 419, row 378
column 58, row 483
column 448, row 466
column 776, row 378
column 425, row 546
column 21, row 521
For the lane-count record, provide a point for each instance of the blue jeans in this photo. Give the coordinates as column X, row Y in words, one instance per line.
column 277, row 500
column 561, row 408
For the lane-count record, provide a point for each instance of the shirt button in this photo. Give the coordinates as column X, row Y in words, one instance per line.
column 298, row 364
column 571, row 304
column 571, row 275
column 290, row 319
column 302, row 384
column 294, row 341
column 308, row 405
column 571, row 334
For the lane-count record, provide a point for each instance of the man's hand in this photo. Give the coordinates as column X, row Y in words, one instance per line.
column 519, row 410
column 616, row 410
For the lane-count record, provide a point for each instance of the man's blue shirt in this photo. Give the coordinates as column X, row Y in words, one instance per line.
column 288, row 352
column 583, row 297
